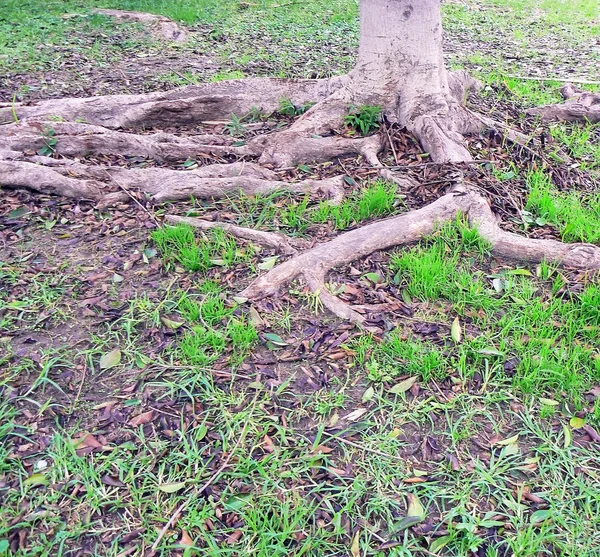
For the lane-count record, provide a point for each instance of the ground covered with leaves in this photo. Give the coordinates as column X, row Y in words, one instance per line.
column 147, row 409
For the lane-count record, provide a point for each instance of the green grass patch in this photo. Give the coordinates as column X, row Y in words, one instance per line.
column 511, row 326
column 443, row 266
column 576, row 215
column 201, row 252
column 376, row 200
column 582, row 142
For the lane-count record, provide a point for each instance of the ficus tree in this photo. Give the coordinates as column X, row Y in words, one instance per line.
column 400, row 67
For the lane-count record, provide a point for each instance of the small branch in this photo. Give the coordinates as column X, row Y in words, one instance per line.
column 271, row 240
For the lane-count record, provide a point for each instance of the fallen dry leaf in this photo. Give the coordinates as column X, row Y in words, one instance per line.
column 185, row 539
column 142, row 419
column 235, row 537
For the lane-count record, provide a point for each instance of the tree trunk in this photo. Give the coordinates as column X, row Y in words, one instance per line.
column 401, row 67
column 400, row 58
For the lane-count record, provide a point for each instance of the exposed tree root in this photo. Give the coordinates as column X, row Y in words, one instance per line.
column 209, row 182
column 78, row 140
column 161, row 26
column 272, row 240
column 314, row 264
column 581, row 106
column 288, row 149
column 219, row 181
column 184, row 106
column 46, row 180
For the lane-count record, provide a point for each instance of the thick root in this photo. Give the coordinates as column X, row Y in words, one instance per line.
column 437, row 137
column 79, row 140
column 216, row 181
column 46, row 180
column 581, row 106
column 312, row 138
column 161, row 27
column 270, row 240
column 461, row 83
column 184, row 106
column 314, row 264
column 289, row 149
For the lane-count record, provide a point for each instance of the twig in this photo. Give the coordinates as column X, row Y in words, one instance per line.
column 225, row 464
column 133, row 198
column 387, row 131
column 272, row 240
column 182, row 76
column 408, row 166
column 363, row 448
column 14, row 109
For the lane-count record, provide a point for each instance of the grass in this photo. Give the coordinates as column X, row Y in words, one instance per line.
column 576, row 216
column 376, row 200
column 305, row 480
column 469, row 410
column 263, row 37
column 364, row 119
column 180, row 244
column 506, row 316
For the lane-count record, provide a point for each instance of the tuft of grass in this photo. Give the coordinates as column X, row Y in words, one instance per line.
column 582, row 142
column 214, row 248
column 575, row 215
column 288, row 108
column 378, row 199
column 227, row 75
column 526, row 93
column 441, row 266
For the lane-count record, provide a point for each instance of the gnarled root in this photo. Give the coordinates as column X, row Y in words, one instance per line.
column 78, row 140
column 16, row 174
column 312, row 138
column 290, row 148
column 314, row 264
column 581, row 106
column 184, row 106
column 209, row 182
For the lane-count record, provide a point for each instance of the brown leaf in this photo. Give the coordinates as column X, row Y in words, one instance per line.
column 594, row 435
column 88, row 441
column 323, row 450
column 532, row 496
column 336, row 471
column 134, row 534
column 355, row 549
column 185, row 539
column 268, row 445
column 454, row 462
column 113, row 482
column 235, row 537
column 142, row 419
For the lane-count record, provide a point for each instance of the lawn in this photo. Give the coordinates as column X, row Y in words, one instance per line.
column 148, row 409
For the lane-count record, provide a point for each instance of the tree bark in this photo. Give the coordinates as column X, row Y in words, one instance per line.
column 400, row 57
column 401, row 67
